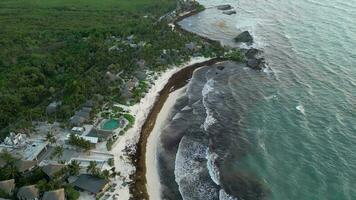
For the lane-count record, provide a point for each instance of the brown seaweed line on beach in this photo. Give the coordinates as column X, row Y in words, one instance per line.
column 138, row 188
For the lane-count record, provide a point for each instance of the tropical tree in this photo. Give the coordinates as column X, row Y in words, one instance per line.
column 79, row 142
column 92, row 168
column 74, row 168
column 7, row 158
column 71, row 193
column 10, row 171
column 50, row 138
column 58, row 152
column 42, row 185
column 105, row 174
column 111, row 162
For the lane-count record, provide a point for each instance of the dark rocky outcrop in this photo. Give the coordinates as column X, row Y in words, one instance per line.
column 251, row 53
column 221, row 67
column 244, row 37
column 224, row 7
column 256, row 63
column 229, row 12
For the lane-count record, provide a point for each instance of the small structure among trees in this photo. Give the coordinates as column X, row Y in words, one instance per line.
column 54, row 195
column 7, row 187
column 29, row 192
column 91, row 184
column 53, row 170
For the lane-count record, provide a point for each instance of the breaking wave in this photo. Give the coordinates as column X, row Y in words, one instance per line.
column 212, row 168
column 190, row 170
column 224, row 196
column 209, row 120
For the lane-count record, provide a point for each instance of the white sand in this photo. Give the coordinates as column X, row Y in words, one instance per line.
column 152, row 176
column 132, row 136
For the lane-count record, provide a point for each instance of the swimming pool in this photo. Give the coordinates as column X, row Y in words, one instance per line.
column 110, row 124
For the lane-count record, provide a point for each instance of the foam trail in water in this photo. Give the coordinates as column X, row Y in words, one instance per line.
column 224, row 196
column 213, row 169
column 189, row 171
column 209, row 120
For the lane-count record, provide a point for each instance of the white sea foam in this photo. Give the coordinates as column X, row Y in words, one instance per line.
column 186, row 108
column 270, row 97
column 209, row 120
column 208, row 87
column 188, row 170
column 177, row 116
column 213, row 169
column 267, row 69
column 224, row 196
column 301, row 109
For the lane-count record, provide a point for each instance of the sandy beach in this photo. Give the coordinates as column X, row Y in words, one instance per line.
column 123, row 163
column 177, row 80
column 152, row 175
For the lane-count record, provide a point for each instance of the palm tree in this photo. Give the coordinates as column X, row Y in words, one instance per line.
column 92, row 167
column 58, row 152
column 50, row 138
column 74, row 168
column 7, row 158
column 106, row 174
column 10, row 171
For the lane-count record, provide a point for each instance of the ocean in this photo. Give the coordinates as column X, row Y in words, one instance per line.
column 287, row 132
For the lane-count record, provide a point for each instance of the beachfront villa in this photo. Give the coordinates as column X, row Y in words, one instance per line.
column 25, row 166
column 29, row 192
column 54, row 195
column 7, row 186
column 52, row 170
column 91, row 184
column 82, row 115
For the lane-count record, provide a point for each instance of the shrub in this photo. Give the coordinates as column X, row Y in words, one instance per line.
column 71, row 193
column 235, row 55
column 109, row 144
column 130, row 118
column 111, row 162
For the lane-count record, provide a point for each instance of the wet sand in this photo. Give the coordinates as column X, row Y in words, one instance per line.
column 138, row 188
column 152, row 174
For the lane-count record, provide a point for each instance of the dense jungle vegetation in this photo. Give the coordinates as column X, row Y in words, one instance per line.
column 60, row 50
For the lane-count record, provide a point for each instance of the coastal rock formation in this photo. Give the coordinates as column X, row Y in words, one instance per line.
column 244, row 37
column 256, row 63
column 229, row 12
column 251, row 53
column 224, row 7
column 185, row 5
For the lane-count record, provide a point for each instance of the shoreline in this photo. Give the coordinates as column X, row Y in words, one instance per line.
column 126, row 147
column 152, row 174
column 180, row 29
column 138, row 188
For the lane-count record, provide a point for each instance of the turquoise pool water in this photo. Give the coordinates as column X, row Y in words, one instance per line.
column 110, row 125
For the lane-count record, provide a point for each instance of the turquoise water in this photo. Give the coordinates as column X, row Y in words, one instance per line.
column 295, row 123
column 110, row 125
